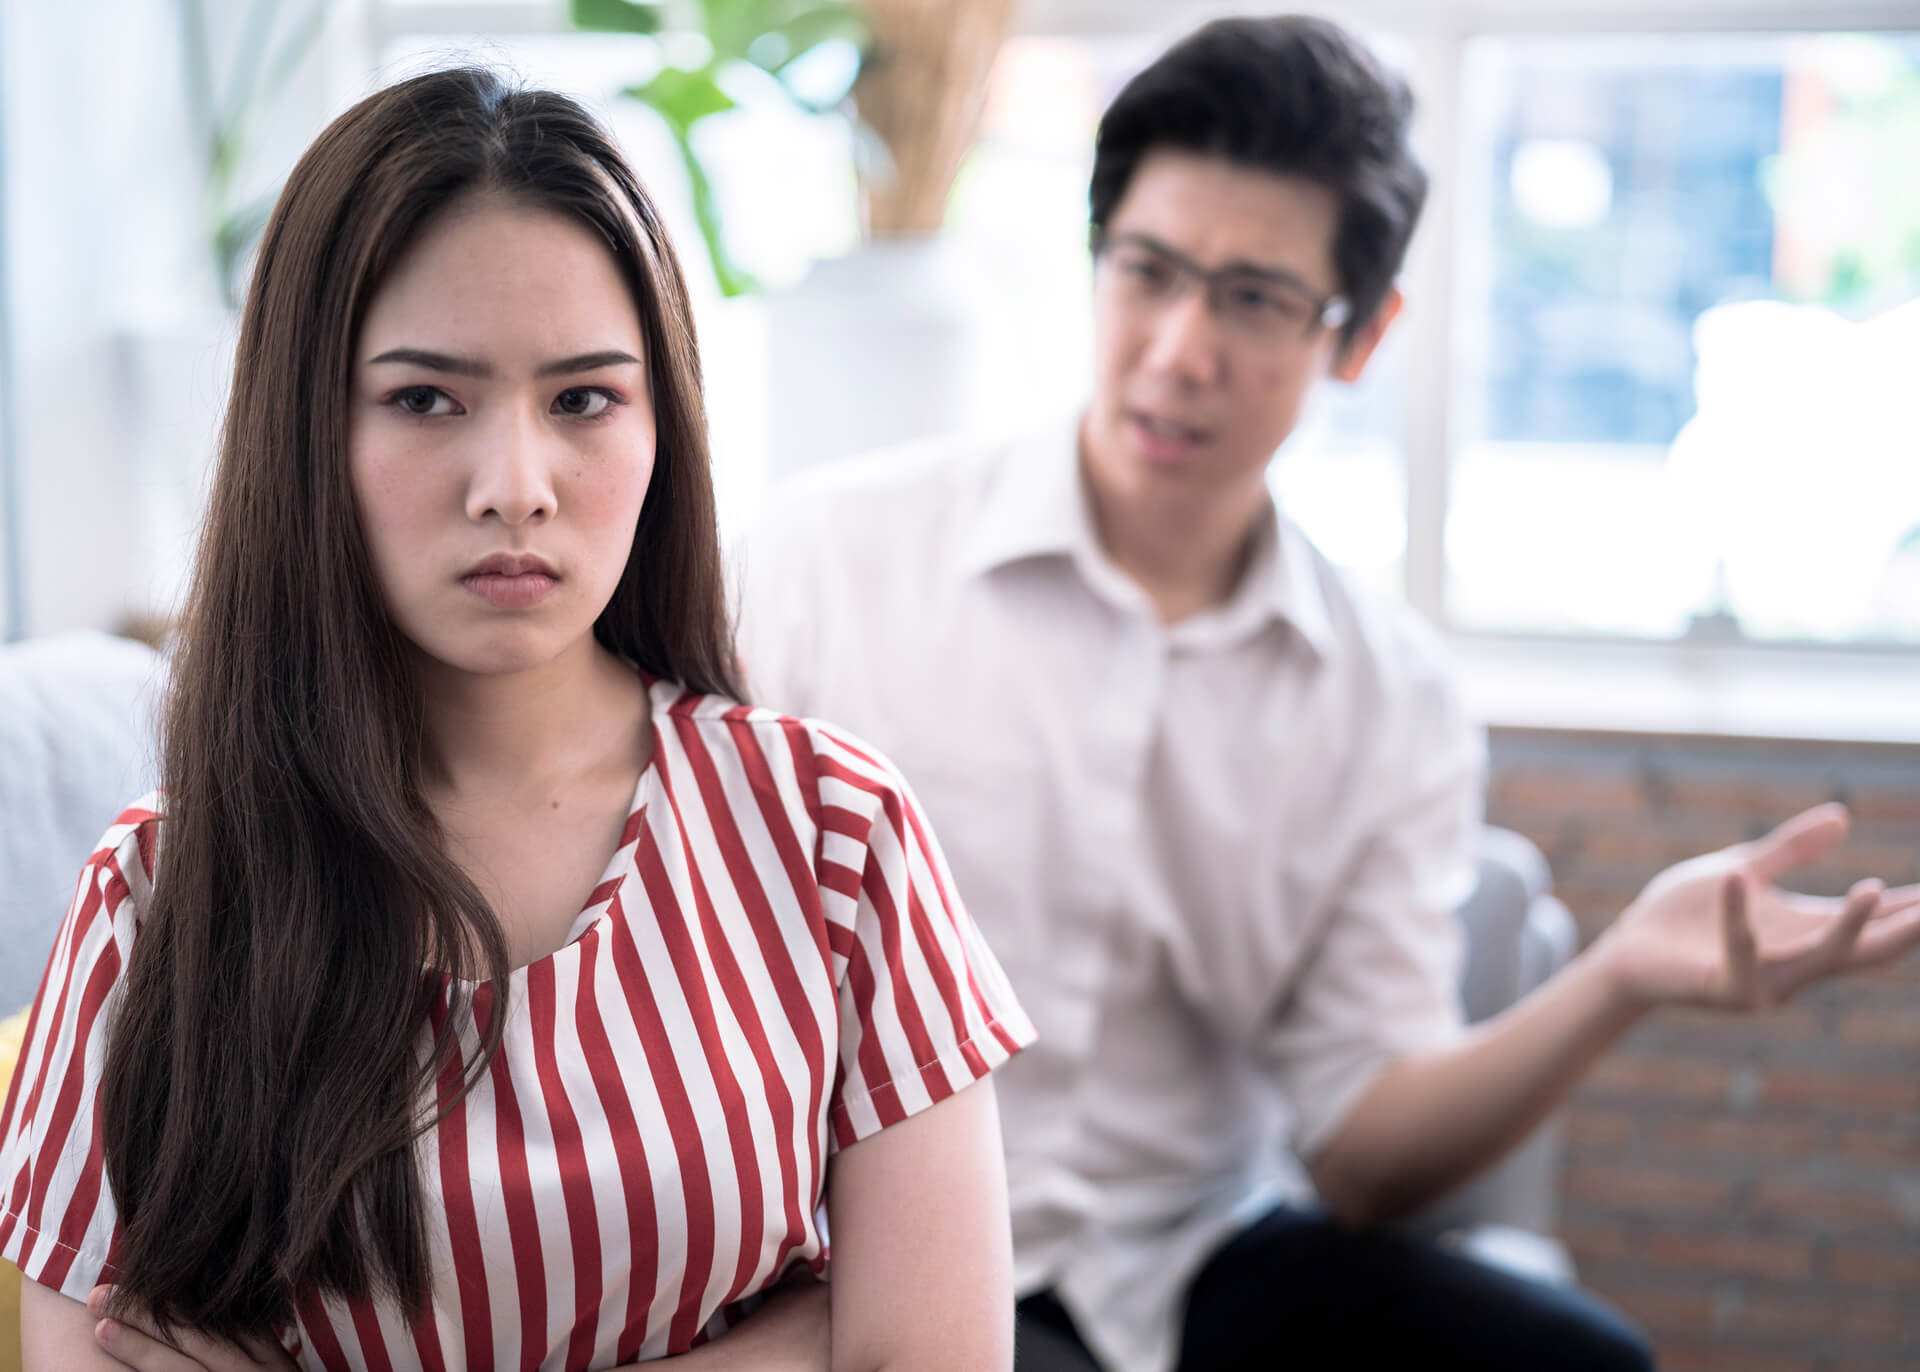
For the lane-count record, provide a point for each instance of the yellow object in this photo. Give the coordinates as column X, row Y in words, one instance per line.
column 12, row 1031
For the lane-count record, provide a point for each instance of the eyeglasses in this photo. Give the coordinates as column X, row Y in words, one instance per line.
column 1259, row 306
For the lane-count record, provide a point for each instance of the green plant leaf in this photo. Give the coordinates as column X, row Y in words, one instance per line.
column 733, row 279
column 683, row 97
column 732, row 25
column 232, row 237
column 767, row 35
column 615, row 16
column 814, row 25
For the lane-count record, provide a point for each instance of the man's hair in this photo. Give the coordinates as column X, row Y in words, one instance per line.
column 1287, row 94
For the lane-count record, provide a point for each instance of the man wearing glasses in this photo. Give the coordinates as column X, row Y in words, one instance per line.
column 1214, row 809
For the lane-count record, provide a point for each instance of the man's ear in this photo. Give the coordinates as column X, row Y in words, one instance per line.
column 1354, row 355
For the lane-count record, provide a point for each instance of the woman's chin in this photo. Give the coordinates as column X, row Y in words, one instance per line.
column 504, row 651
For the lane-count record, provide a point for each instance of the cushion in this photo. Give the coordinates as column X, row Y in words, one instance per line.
column 77, row 745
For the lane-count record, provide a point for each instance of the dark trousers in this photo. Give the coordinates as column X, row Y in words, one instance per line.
column 1297, row 1290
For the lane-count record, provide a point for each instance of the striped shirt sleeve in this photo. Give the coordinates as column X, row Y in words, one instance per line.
column 924, row 1007
column 58, row 1222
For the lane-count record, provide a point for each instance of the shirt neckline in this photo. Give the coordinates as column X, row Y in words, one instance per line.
column 613, row 875
column 1037, row 507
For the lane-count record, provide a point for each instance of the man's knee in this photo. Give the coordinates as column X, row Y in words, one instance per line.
column 1572, row 1331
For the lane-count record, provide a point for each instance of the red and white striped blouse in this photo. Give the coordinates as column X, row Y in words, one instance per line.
column 775, row 965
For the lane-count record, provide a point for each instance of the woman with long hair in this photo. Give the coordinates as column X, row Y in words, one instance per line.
column 486, row 986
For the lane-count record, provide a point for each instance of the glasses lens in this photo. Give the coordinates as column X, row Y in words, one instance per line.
column 1264, row 308
column 1143, row 271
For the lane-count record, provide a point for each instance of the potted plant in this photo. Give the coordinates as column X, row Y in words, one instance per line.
column 883, row 344
column 225, row 116
column 743, row 39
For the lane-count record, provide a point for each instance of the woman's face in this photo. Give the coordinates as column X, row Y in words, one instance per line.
column 501, row 435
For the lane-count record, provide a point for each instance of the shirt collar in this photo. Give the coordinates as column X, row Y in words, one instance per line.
column 1282, row 585
column 1037, row 508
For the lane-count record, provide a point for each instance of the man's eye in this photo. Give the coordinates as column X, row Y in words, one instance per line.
column 1147, row 271
column 1271, row 306
column 1259, row 300
column 582, row 402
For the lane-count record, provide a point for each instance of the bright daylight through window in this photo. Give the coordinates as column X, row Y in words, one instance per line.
column 1689, row 308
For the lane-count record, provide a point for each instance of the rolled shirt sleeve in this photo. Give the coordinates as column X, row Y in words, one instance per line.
column 58, row 1220
column 924, row 1007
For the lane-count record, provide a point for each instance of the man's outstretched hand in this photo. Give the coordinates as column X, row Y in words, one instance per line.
column 1718, row 930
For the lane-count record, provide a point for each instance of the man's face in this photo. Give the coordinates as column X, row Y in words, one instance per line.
column 1197, row 383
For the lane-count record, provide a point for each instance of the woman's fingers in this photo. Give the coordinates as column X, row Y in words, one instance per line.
column 131, row 1336
column 140, row 1350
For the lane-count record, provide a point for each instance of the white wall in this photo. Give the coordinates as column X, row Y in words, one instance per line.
column 119, row 340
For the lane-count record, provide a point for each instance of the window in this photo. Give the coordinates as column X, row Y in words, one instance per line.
column 1690, row 285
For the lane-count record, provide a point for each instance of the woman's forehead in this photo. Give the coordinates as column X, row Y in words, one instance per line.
column 502, row 279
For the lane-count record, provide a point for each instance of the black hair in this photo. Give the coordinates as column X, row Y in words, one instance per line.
column 1289, row 94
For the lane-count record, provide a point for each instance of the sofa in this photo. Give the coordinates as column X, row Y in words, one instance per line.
column 77, row 731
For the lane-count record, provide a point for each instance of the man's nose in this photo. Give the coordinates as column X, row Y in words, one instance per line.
column 1187, row 341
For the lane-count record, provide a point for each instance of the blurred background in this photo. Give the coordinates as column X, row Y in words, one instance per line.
column 1646, row 444
column 1654, row 382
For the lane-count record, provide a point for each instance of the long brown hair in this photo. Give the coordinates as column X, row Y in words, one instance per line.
column 264, row 1087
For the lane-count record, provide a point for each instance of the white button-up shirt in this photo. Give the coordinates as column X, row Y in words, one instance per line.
column 1218, row 859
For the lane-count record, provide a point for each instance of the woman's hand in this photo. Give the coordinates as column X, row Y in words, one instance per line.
column 787, row 1334
column 1717, row 931
column 132, row 1338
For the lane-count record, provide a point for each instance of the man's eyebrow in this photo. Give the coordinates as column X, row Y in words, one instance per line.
column 467, row 366
column 588, row 362
column 1239, row 266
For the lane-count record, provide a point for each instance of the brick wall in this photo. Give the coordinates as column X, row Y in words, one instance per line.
column 1748, row 1189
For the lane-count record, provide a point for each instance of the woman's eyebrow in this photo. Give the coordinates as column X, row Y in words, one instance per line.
column 467, row 366
column 432, row 361
column 587, row 362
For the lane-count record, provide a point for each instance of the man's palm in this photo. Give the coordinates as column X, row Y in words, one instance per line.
column 1718, row 930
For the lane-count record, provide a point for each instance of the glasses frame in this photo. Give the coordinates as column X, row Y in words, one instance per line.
column 1327, row 312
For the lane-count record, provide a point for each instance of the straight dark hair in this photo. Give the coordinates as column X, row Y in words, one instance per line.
column 264, row 1085
column 1292, row 95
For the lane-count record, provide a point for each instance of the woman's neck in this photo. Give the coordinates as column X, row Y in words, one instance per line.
column 517, row 729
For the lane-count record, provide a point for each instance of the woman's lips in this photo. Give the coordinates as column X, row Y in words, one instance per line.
column 519, row 591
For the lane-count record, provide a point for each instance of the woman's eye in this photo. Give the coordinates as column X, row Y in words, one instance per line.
column 423, row 400
column 582, row 402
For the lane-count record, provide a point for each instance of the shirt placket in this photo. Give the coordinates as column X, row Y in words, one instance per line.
column 1118, row 733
